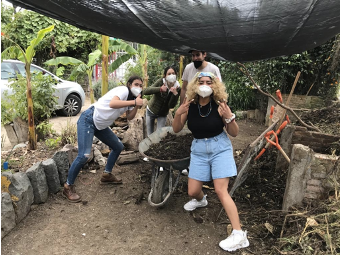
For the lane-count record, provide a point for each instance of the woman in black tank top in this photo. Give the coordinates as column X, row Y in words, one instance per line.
column 206, row 112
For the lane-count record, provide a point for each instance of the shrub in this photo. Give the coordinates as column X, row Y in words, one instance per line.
column 15, row 105
column 44, row 129
column 53, row 143
column 97, row 87
column 69, row 134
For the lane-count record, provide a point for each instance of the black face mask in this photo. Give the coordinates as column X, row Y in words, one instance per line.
column 198, row 63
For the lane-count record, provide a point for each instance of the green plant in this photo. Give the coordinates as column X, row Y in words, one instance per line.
column 65, row 39
column 6, row 114
column 26, row 56
column 241, row 94
column 3, row 138
column 44, row 129
column 69, row 133
column 42, row 94
column 98, row 85
column 53, row 143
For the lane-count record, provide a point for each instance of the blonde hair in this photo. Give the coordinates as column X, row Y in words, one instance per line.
column 219, row 90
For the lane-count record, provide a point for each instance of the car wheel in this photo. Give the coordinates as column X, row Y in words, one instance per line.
column 72, row 106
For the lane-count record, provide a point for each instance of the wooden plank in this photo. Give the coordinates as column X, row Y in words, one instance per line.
column 251, row 151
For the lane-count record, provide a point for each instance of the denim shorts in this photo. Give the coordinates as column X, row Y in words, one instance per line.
column 212, row 158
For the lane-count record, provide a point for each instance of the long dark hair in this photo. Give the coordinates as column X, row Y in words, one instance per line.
column 129, row 82
column 167, row 68
column 133, row 78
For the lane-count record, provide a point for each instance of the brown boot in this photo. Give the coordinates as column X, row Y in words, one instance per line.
column 109, row 178
column 70, row 193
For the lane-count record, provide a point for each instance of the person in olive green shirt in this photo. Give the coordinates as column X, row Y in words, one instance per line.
column 166, row 92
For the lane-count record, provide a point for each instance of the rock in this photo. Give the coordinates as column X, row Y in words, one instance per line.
column 37, row 176
column 7, row 214
column 52, row 175
column 61, row 159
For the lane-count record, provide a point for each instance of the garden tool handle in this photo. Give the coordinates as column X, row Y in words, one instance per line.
column 272, row 139
column 278, row 94
column 271, row 112
column 276, row 144
column 283, row 125
column 261, row 153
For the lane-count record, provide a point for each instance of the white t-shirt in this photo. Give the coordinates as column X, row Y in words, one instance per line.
column 190, row 71
column 103, row 115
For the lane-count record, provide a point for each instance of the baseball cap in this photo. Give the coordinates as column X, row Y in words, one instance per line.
column 191, row 50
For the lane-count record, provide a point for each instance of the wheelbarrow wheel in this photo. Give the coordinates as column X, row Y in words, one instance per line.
column 161, row 187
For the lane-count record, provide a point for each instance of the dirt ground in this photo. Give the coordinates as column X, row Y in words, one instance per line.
column 113, row 220
column 117, row 219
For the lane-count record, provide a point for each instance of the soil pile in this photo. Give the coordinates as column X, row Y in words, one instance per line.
column 171, row 147
column 326, row 119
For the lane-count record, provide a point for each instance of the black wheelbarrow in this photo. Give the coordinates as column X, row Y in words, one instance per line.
column 162, row 185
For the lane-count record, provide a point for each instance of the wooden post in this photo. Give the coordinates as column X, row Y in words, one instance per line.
column 105, row 60
column 289, row 97
column 180, row 69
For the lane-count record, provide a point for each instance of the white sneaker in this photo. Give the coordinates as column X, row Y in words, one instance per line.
column 235, row 241
column 193, row 204
column 185, row 172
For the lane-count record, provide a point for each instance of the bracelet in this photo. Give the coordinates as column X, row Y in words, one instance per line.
column 135, row 102
column 228, row 120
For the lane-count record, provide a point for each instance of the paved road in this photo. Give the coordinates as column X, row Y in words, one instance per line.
column 59, row 122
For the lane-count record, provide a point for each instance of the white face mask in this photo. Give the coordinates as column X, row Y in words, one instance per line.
column 171, row 78
column 136, row 91
column 204, row 91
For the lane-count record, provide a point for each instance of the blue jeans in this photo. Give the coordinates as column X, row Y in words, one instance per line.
column 150, row 121
column 85, row 132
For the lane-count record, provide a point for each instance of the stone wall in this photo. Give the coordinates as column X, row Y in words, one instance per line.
column 325, row 176
column 311, row 176
column 318, row 142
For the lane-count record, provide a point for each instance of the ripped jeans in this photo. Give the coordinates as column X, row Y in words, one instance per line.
column 85, row 132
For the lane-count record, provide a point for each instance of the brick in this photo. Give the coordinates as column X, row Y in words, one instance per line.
column 314, row 182
column 311, row 196
column 314, row 189
column 319, row 175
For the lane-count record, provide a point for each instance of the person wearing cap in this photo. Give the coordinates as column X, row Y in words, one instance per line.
column 207, row 113
column 198, row 64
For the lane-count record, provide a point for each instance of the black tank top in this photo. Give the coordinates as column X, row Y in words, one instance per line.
column 204, row 127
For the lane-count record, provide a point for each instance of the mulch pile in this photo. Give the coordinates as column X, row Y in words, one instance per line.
column 171, row 147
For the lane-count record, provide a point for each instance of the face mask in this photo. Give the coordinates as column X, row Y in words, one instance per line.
column 198, row 63
column 204, row 91
column 171, row 78
column 136, row 91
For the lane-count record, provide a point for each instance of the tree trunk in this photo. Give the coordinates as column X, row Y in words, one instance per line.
column 32, row 140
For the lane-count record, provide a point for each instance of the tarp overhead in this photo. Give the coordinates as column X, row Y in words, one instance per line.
column 237, row 30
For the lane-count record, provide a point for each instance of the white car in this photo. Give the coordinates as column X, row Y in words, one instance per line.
column 70, row 95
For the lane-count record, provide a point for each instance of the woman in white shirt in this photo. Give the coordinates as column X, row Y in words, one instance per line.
column 95, row 121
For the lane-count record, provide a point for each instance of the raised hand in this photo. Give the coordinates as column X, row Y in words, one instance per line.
column 139, row 101
column 174, row 90
column 163, row 88
column 184, row 107
column 224, row 110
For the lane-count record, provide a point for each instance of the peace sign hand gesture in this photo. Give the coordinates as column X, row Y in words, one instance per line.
column 184, row 107
column 224, row 110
